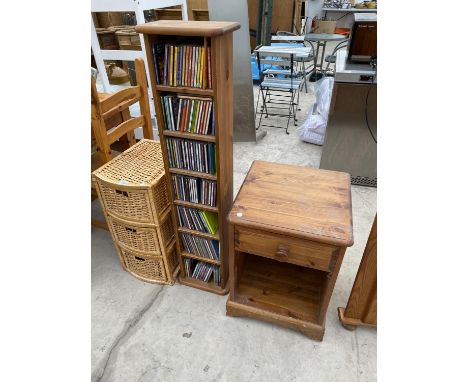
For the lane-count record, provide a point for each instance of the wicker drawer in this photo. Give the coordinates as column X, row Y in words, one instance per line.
column 146, row 267
column 140, row 237
column 135, row 205
column 143, row 266
column 133, row 185
column 284, row 248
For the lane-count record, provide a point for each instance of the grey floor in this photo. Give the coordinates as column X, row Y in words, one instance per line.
column 146, row 332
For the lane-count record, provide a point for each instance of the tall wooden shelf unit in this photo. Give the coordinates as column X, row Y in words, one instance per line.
column 217, row 35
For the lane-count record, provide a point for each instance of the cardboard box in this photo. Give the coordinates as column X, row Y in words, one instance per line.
column 323, row 26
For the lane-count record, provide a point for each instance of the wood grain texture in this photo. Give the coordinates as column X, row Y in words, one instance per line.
column 217, row 35
column 185, row 90
column 281, row 270
column 196, row 174
column 281, row 288
column 207, row 287
column 188, row 28
column 197, row 137
column 195, row 205
column 284, row 248
column 361, row 308
column 222, row 50
column 303, row 202
column 314, row 331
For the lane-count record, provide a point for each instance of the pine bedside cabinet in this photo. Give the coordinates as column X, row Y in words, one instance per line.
column 288, row 233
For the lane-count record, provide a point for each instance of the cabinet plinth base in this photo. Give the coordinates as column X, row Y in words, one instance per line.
column 309, row 329
column 207, row 287
column 351, row 323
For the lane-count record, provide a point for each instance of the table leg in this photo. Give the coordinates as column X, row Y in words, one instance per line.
column 315, row 60
column 323, row 54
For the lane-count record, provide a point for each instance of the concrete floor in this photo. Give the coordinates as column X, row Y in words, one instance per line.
column 146, row 332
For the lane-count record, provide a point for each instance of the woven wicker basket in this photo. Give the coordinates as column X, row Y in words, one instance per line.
column 132, row 189
column 133, row 186
column 153, row 269
column 149, row 239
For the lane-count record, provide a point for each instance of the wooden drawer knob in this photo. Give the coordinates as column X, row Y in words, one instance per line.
column 282, row 251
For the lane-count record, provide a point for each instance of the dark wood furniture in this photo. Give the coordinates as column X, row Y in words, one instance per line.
column 218, row 36
column 361, row 309
column 289, row 230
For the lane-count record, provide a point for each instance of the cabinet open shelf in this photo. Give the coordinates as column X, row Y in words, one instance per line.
column 195, row 205
column 215, row 38
column 206, row 260
column 206, row 286
column 197, row 137
column 198, row 174
column 199, row 233
column 281, row 288
column 186, row 90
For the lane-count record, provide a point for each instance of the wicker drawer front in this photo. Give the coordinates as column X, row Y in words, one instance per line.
column 285, row 248
column 135, row 205
column 144, row 267
column 135, row 237
column 128, row 205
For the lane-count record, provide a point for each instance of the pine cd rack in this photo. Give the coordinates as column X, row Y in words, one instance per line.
column 190, row 67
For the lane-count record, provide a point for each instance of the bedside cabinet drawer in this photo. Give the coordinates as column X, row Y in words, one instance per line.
column 284, row 248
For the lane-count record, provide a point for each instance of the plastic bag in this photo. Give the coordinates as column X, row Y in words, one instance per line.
column 323, row 93
column 313, row 129
column 314, row 126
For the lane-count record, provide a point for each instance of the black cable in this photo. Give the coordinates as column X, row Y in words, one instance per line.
column 367, row 120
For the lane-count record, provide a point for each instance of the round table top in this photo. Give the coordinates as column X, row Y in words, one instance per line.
column 325, row 37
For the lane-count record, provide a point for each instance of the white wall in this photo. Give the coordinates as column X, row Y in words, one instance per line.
column 313, row 8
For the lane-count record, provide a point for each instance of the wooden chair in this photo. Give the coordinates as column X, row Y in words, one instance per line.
column 111, row 122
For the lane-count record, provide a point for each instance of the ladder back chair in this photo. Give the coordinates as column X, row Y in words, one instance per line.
column 111, row 121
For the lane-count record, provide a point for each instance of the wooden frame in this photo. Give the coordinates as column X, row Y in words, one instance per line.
column 111, row 121
column 289, row 230
column 361, row 309
column 219, row 36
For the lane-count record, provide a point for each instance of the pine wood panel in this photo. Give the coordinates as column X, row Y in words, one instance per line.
column 361, row 308
column 196, row 174
column 188, row 28
column 195, row 205
column 223, row 105
column 218, row 35
column 198, row 233
column 206, row 260
column 303, row 202
column 281, row 288
column 284, row 248
column 283, row 262
column 185, row 90
column 197, row 137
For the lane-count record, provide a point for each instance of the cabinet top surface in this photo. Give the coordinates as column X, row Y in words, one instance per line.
column 298, row 201
column 188, row 28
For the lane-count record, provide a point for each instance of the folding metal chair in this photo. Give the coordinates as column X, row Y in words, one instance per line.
column 304, row 62
column 281, row 77
column 331, row 58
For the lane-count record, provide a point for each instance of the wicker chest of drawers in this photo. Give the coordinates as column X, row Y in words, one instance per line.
column 133, row 192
